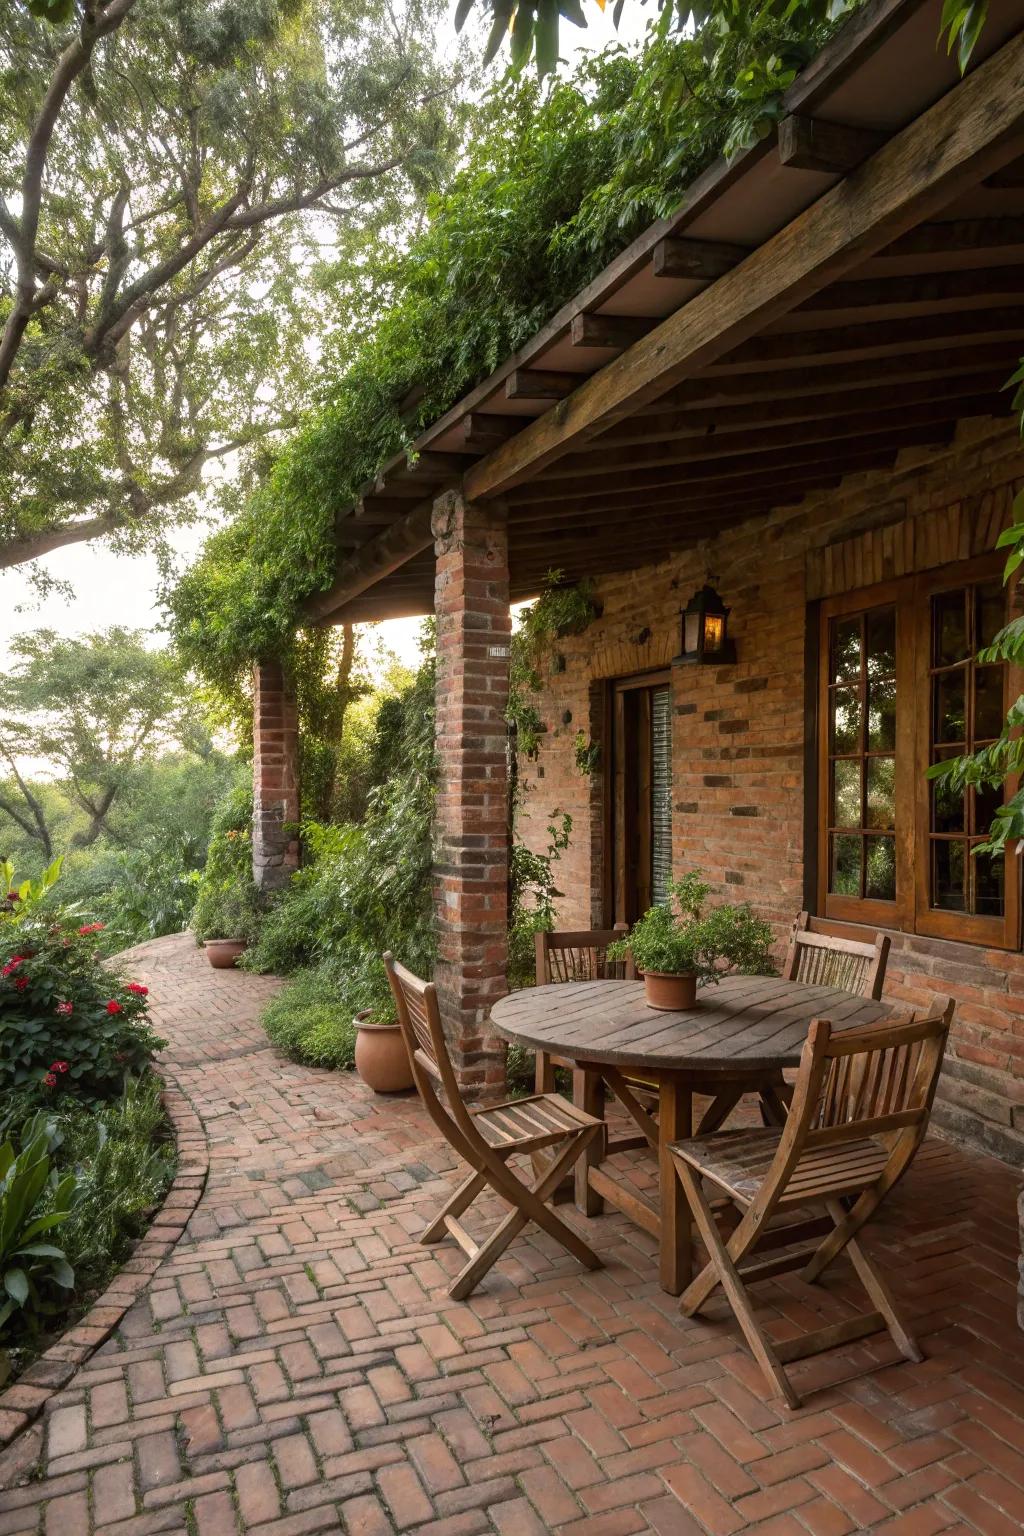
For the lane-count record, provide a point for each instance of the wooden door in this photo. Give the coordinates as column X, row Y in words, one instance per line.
column 640, row 819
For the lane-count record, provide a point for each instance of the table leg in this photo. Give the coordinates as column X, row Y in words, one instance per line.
column 675, row 1123
column 588, row 1094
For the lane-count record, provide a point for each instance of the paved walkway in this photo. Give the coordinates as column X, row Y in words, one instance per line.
column 296, row 1366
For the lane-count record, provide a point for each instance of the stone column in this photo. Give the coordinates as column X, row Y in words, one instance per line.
column 471, row 851
column 275, row 778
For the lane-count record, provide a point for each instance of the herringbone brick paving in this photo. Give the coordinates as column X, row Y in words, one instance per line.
column 296, row 1366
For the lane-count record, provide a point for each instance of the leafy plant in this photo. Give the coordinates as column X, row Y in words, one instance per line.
column 68, row 1024
column 562, row 609
column 228, row 904
column 33, row 1201
column 532, row 897
column 310, row 1021
column 679, row 938
column 18, row 900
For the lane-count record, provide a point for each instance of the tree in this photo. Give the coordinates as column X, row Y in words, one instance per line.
column 169, row 170
column 94, row 708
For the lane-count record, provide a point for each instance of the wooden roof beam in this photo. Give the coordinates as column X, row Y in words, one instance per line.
column 375, row 560
column 614, row 332
column 481, row 431
column 540, row 384
column 814, row 144
column 971, row 132
column 955, row 235
column 700, row 260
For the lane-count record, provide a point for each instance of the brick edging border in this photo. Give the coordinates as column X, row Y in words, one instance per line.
column 22, row 1403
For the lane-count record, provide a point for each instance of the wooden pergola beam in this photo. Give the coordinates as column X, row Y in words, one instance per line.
column 375, row 560
column 814, row 144
column 972, row 132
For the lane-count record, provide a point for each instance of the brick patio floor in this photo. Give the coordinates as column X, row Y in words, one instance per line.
column 296, row 1365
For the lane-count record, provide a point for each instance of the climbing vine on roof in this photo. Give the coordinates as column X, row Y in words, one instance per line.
column 556, row 179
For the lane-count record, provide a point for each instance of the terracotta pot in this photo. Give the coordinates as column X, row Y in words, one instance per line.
column 223, row 953
column 669, row 991
column 382, row 1060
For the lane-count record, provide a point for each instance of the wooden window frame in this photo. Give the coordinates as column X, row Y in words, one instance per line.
column 911, row 911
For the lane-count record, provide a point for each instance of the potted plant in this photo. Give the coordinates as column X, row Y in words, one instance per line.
column 678, row 947
column 227, row 913
column 382, row 1060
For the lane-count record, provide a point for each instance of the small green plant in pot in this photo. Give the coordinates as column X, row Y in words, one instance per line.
column 678, row 947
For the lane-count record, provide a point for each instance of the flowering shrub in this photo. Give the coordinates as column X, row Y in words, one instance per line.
column 68, row 1023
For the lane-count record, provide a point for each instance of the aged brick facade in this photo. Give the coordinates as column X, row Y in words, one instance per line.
column 739, row 753
column 275, row 848
column 471, row 837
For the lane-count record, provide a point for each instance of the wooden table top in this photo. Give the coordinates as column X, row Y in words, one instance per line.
column 755, row 1022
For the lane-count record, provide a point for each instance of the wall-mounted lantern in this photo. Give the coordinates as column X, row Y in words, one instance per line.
column 705, row 630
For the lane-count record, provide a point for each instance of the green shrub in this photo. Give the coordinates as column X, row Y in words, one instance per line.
column 34, row 1200
column 228, row 905
column 310, row 1022
column 69, row 1025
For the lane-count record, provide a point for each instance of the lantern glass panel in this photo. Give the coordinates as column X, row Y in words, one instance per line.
column 714, row 631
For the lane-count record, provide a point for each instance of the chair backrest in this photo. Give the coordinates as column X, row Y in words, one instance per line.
column 419, row 1019
column 877, row 1081
column 821, row 960
column 581, row 956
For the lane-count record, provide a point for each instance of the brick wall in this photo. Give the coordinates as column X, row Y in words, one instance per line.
column 275, row 848
column 739, row 732
column 471, row 816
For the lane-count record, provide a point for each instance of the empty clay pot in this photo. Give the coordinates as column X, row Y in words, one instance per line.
column 382, row 1060
column 223, row 953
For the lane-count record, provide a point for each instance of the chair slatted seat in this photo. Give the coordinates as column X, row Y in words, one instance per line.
column 546, row 1128
column 859, row 1112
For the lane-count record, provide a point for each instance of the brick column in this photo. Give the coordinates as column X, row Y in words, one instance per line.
column 470, row 834
column 275, row 778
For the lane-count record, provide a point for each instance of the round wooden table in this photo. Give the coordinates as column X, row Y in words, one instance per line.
column 736, row 1039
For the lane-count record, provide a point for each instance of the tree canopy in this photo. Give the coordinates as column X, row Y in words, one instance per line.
column 93, row 710
column 170, row 171
column 556, row 179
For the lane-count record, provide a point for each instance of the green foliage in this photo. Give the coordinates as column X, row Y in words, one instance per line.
column 562, row 609
column 202, row 156
column 228, row 903
column 532, row 897
column 69, row 1026
column 365, row 888
column 152, row 891
column 310, row 1021
column 553, row 185
column 681, row 938
column 33, row 1201
column 19, row 898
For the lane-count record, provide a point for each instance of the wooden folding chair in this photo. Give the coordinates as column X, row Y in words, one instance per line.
column 859, row 1113
column 575, row 956
column 487, row 1138
column 821, row 960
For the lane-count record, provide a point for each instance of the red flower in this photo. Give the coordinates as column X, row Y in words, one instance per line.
column 138, row 989
column 65, row 1010
column 49, row 1080
column 92, row 928
column 21, row 982
column 13, row 896
column 114, row 1006
column 13, row 963
column 58, row 1066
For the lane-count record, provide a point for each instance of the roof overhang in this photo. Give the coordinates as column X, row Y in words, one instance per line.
column 840, row 292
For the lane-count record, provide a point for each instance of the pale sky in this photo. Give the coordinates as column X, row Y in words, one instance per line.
column 119, row 589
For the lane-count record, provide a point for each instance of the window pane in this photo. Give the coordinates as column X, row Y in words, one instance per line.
column 949, row 628
column 881, row 796
column 988, row 703
column 948, row 868
column 950, row 720
column 987, row 801
column 882, row 716
column 845, row 650
column 880, row 855
column 988, row 876
column 991, row 612
column 846, row 792
column 948, row 805
column 845, row 878
column 881, row 641
column 847, row 714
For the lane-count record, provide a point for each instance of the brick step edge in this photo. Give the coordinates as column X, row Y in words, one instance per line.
column 22, row 1403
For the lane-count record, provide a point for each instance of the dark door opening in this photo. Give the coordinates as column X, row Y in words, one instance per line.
column 640, row 812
